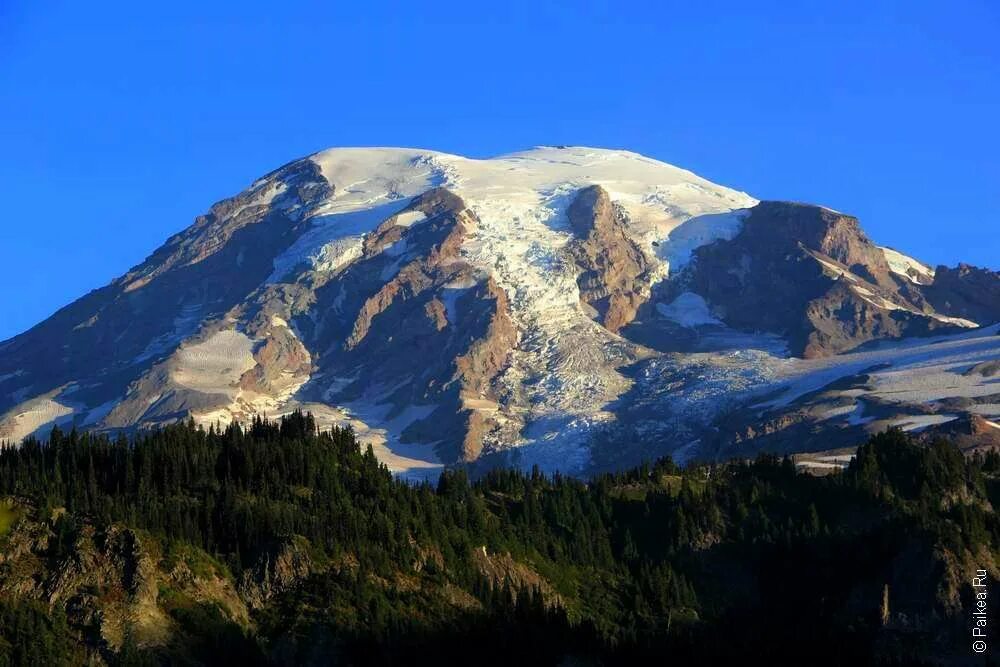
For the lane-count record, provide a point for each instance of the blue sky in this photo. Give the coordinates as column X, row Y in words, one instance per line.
column 119, row 124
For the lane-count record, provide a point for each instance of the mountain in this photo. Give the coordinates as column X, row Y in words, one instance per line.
column 513, row 310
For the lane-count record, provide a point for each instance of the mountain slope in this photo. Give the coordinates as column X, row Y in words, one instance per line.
column 453, row 309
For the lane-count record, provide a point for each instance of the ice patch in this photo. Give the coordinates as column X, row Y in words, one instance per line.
column 215, row 365
column 185, row 324
column 366, row 177
column 333, row 241
column 877, row 301
column 337, row 254
column 688, row 310
column 907, row 267
column 412, row 461
column 683, row 240
column 835, row 269
column 881, row 302
column 410, row 218
column 99, row 413
column 919, row 370
column 957, row 321
column 34, row 417
column 921, row 422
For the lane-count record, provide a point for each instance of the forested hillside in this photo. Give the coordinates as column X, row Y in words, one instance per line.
column 276, row 544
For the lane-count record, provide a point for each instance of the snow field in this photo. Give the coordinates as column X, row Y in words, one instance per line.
column 215, row 365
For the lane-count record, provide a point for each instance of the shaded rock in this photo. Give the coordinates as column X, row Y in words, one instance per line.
column 278, row 569
column 966, row 291
column 109, row 581
column 811, row 275
column 411, row 319
column 986, row 369
column 971, row 433
column 501, row 568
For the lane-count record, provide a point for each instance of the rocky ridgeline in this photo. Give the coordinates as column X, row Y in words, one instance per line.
column 461, row 307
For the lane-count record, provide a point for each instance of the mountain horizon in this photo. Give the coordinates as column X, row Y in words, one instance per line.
column 510, row 310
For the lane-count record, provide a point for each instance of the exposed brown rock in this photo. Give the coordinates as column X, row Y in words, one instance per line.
column 118, row 334
column 615, row 278
column 487, row 356
column 478, row 369
column 468, row 412
column 966, row 291
column 296, row 183
column 409, row 282
column 971, row 433
column 811, row 275
column 438, row 205
column 841, row 320
column 280, row 361
column 436, row 240
column 436, row 313
column 437, row 331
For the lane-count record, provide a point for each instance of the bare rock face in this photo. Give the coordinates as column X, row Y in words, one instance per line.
column 615, row 278
column 280, row 567
column 280, row 359
column 833, row 234
column 501, row 569
column 971, row 433
column 966, row 291
column 409, row 316
column 108, row 580
column 287, row 192
column 841, row 319
column 477, row 370
column 115, row 335
column 811, row 275
column 428, row 252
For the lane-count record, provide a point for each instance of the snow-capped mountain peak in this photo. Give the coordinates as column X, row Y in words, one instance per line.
column 459, row 309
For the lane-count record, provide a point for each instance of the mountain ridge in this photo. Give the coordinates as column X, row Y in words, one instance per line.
column 451, row 308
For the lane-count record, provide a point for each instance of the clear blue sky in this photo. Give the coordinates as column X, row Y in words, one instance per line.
column 118, row 125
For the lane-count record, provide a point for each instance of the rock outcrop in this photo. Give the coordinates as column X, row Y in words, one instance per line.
column 279, row 568
column 615, row 278
column 418, row 326
column 971, row 433
column 810, row 275
column 116, row 335
column 966, row 291
column 110, row 581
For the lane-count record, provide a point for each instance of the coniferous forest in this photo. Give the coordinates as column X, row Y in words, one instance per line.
column 274, row 544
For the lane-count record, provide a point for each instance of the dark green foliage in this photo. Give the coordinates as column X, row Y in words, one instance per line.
column 638, row 565
column 31, row 635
